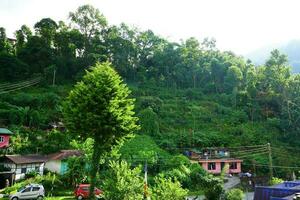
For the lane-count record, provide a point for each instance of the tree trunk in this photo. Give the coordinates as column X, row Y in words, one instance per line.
column 95, row 167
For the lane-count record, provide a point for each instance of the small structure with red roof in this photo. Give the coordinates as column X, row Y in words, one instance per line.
column 57, row 162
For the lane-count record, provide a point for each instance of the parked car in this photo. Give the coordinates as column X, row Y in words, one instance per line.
column 32, row 191
column 82, row 191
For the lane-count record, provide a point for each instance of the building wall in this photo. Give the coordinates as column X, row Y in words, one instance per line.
column 237, row 170
column 38, row 167
column 218, row 168
column 5, row 142
column 17, row 169
column 53, row 166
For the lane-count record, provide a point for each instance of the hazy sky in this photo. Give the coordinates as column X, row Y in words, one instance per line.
column 237, row 25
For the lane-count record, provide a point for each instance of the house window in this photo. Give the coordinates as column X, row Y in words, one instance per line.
column 1, row 139
column 23, row 170
column 211, row 166
column 233, row 165
column 37, row 169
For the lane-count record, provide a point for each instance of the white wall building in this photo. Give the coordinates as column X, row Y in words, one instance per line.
column 19, row 165
column 57, row 162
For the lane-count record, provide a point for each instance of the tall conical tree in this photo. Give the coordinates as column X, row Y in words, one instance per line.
column 99, row 107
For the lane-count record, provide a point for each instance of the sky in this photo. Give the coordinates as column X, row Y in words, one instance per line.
column 241, row 26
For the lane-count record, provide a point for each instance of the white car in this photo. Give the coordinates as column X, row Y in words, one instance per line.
column 32, row 191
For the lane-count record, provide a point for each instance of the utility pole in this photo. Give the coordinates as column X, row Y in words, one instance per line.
column 270, row 160
column 54, row 74
column 146, row 195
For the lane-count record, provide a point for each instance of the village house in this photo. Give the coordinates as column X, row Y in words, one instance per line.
column 215, row 166
column 57, row 162
column 16, row 166
column 4, row 137
column 213, row 160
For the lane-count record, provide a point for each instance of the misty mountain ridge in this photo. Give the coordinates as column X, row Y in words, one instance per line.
column 291, row 49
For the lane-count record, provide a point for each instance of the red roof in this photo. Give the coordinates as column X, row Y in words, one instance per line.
column 63, row 154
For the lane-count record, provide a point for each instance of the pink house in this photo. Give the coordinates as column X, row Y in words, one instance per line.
column 214, row 160
column 4, row 137
column 215, row 166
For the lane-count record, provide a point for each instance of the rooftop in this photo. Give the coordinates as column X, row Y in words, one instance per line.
column 24, row 159
column 63, row 154
column 5, row 131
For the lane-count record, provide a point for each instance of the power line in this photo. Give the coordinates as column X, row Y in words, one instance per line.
column 11, row 86
column 211, row 148
column 21, row 86
column 274, row 166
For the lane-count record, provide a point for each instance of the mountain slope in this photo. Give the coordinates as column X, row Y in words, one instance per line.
column 291, row 49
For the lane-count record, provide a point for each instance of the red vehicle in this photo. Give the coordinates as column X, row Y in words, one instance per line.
column 82, row 191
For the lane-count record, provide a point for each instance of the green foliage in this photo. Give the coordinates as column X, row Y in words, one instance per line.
column 189, row 94
column 12, row 68
column 149, row 122
column 26, row 141
column 141, row 149
column 50, row 181
column 213, row 187
column 77, row 172
column 99, row 107
column 275, row 181
column 121, row 182
column 234, row 194
column 166, row 188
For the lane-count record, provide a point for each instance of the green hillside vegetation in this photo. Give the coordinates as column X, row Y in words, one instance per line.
column 188, row 95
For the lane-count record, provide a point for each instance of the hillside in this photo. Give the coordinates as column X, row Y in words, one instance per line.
column 189, row 95
column 291, row 49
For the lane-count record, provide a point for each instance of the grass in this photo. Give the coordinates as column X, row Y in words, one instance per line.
column 52, row 198
column 60, row 198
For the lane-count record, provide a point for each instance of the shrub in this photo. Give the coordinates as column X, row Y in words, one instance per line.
column 213, row 187
column 234, row 194
column 31, row 174
column 121, row 182
column 51, row 183
column 275, row 181
column 165, row 188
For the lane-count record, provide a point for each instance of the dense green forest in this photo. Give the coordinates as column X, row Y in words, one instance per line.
column 188, row 94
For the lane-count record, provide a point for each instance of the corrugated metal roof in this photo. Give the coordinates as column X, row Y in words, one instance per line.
column 5, row 131
column 63, row 154
column 26, row 159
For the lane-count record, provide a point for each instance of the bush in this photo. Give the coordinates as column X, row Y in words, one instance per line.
column 275, row 181
column 165, row 188
column 213, row 187
column 31, row 174
column 234, row 194
column 51, row 183
column 121, row 182
column 77, row 171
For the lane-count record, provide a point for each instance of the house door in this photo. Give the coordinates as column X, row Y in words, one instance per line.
column 222, row 165
column 3, row 179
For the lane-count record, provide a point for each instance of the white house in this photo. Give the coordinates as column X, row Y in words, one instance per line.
column 57, row 162
column 19, row 165
column 14, row 167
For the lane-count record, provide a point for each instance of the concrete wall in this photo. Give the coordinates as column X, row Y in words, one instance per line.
column 218, row 168
column 5, row 142
column 17, row 169
column 53, row 166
